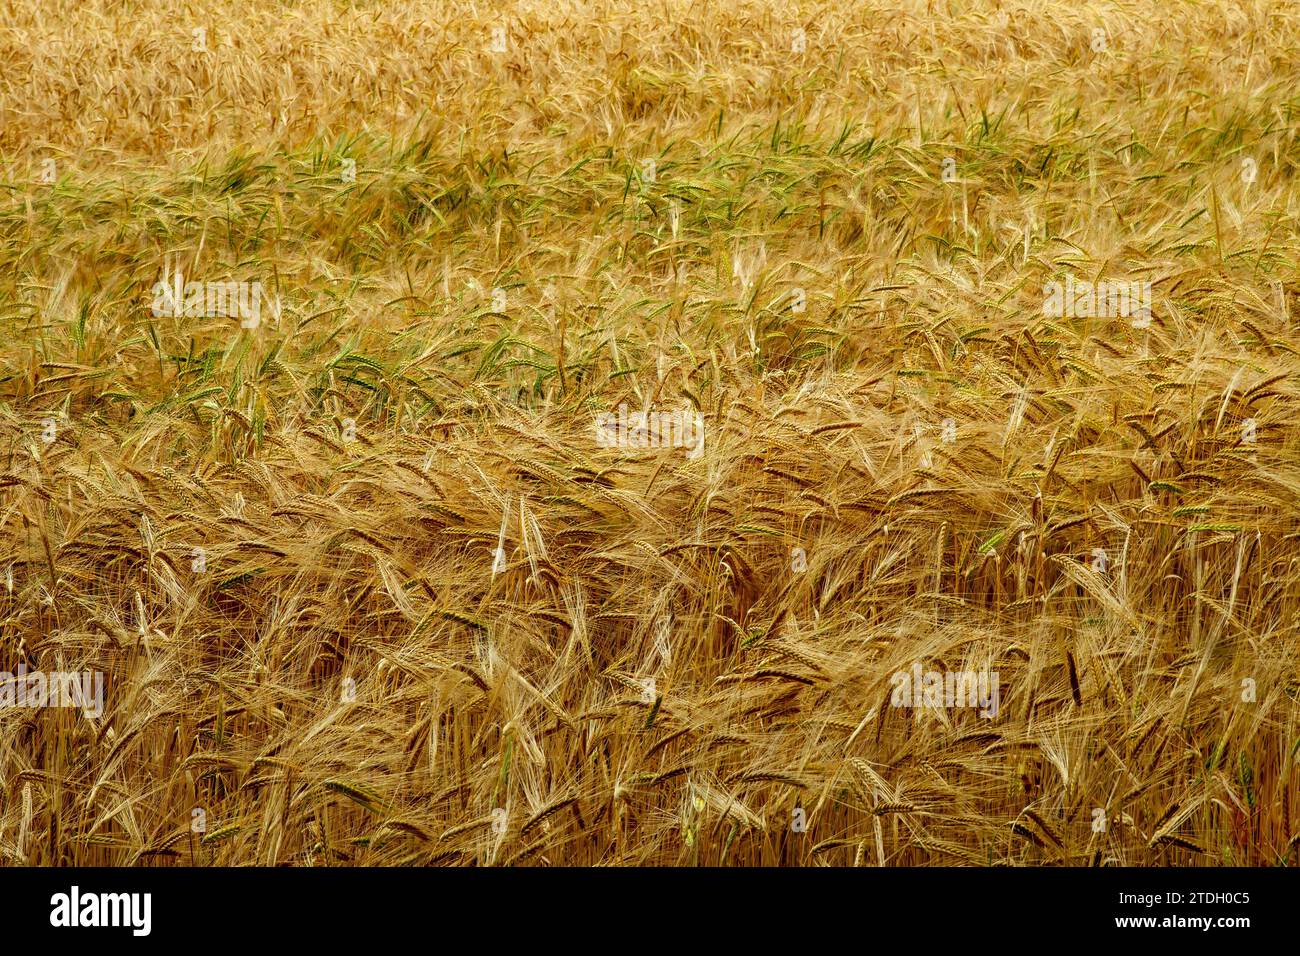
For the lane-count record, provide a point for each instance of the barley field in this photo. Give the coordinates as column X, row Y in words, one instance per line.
column 963, row 338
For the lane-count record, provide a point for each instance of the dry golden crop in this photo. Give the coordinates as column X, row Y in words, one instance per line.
column 373, row 576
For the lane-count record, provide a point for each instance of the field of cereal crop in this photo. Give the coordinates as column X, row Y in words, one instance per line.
column 689, row 433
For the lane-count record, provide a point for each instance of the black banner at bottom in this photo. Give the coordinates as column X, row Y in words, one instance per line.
column 340, row 906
